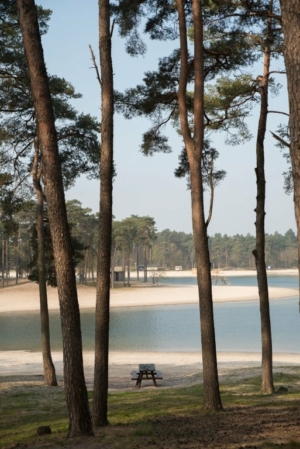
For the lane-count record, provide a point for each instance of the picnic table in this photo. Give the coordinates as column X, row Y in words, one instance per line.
column 146, row 371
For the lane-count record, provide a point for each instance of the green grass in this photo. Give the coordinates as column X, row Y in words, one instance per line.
column 22, row 412
column 139, row 406
column 24, row 409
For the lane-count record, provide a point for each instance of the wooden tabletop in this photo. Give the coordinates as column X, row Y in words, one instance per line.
column 146, row 367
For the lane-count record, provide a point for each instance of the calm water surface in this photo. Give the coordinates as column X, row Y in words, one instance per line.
column 273, row 281
column 170, row 328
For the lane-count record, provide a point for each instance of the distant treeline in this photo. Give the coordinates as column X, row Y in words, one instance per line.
column 173, row 248
column 135, row 240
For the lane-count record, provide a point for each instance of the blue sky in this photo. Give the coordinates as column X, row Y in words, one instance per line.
column 146, row 185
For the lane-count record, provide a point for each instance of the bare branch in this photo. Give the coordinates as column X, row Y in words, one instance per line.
column 281, row 72
column 22, row 180
column 212, row 192
column 112, row 28
column 282, row 141
column 164, row 122
column 279, row 112
column 95, row 65
column 20, row 153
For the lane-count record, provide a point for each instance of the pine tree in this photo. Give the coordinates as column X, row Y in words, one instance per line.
column 75, row 388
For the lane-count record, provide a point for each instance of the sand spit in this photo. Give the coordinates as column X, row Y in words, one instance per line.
column 25, row 297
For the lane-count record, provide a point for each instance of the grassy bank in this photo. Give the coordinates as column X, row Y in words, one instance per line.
column 157, row 418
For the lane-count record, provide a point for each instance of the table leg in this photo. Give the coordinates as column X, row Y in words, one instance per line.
column 139, row 380
column 153, row 378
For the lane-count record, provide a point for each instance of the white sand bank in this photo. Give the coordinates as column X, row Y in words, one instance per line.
column 179, row 369
column 25, row 297
column 228, row 273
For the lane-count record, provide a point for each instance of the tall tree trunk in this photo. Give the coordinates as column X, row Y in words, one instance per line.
column 267, row 385
column 290, row 26
column 75, row 387
column 105, row 220
column 194, row 148
column 49, row 369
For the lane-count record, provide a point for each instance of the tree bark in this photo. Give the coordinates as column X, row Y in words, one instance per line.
column 75, row 387
column 290, row 26
column 105, row 220
column 194, row 148
column 267, row 385
column 49, row 369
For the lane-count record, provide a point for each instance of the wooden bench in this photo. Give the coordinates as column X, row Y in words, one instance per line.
column 134, row 375
column 159, row 375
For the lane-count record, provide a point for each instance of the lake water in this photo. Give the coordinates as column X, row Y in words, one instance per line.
column 171, row 328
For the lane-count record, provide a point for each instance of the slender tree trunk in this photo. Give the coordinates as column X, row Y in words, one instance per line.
column 2, row 261
column 128, row 272
column 49, row 369
column 7, row 261
column 290, row 26
column 124, row 270
column 86, row 266
column 145, row 264
column 194, row 147
column 92, row 267
column 75, row 387
column 17, row 258
column 137, row 262
column 267, row 385
column 105, row 220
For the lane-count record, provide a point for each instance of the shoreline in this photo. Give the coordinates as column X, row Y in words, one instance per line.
column 179, row 369
column 25, row 297
column 229, row 273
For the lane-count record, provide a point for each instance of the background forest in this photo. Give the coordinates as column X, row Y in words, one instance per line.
column 165, row 249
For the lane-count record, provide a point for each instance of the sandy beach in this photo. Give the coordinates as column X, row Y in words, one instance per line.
column 25, row 297
column 178, row 368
